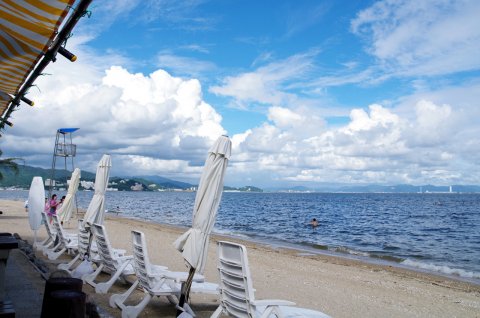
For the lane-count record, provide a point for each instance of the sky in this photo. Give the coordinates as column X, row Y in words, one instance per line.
column 310, row 92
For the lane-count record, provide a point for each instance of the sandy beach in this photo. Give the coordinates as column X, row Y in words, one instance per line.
column 337, row 286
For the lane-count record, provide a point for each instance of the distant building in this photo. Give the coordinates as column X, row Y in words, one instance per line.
column 47, row 182
column 88, row 185
column 137, row 187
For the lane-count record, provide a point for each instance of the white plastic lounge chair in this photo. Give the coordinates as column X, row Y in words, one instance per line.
column 83, row 242
column 66, row 243
column 110, row 263
column 58, row 225
column 155, row 281
column 50, row 240
column 237, row 293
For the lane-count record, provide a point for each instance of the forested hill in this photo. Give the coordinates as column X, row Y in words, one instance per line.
column 25, row 175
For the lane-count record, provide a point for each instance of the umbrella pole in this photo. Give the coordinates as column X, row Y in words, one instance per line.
column 185, row 290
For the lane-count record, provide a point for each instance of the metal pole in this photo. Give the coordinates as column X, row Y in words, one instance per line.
column 50, row 186
column 185, row 290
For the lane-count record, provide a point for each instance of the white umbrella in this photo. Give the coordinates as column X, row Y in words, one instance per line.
column 194, row 243
column 66, row 210
column 96, row 209
column 36, row 205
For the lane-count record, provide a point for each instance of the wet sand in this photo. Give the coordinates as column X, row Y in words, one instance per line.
column 338, row 286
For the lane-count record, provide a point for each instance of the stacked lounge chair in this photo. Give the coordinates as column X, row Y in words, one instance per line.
column 49, row 242
column 66, row 242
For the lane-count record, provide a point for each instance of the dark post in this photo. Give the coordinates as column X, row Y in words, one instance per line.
column 50, row 304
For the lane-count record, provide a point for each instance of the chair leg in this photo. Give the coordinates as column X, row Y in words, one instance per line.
column 71, row 251
column 39, row 245
column 68, row 266
column 53, row 255
column 217, row 312
column 172, row 300
column 90, row 278
column 44, row 247
column 45, row 251
column 272, row 310
column 118, row 300
column 102, row 288
column 134, row 311
column 188, row 310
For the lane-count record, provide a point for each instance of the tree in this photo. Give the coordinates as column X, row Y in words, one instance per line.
column 8, row 163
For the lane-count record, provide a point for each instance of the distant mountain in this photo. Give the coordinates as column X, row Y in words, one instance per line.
column 26, row 174
column 167, row 183
column 150, row 183
column 375, row 188
column 137, row 183
column 406, row 188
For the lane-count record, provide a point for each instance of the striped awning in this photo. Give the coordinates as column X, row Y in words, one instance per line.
column 27, row 28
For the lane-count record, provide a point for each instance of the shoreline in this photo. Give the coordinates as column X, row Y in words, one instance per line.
column 448, row 255
column 306, row 250
column 338, row 286
column 334, row 257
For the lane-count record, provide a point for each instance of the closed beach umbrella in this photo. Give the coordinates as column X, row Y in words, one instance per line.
column 36, row 204
column 96, row 209
column 66, row 210
column 194, row 243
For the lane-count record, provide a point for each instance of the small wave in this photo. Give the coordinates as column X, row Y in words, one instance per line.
column 230, row 233
column 441, row 269
column 346, row 250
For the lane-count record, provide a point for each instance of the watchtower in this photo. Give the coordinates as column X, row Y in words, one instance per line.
column 64, row 147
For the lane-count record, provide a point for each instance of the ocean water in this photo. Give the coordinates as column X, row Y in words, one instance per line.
column 433, row 232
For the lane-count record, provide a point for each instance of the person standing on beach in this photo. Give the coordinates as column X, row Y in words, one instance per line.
column 53, row 207
column 59, row 205
column 47, row 207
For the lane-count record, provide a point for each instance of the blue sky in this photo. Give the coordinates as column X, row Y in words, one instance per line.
column 310, row 92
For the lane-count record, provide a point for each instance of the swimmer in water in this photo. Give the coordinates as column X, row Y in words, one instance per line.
column 314, row 223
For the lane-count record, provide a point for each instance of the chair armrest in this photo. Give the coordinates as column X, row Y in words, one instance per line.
column 119, row 252
column 272, row 302
column 125, row 258
column 158, row 269
column 182, row 276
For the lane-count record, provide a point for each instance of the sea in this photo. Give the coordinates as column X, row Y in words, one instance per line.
column 428, row 232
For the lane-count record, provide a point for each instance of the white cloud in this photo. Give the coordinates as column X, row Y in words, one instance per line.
column 425, row 37
column 303, row 17
column 159, row 124
column 182, row 65
column 154, row 117
column 267, row 84
column 377, row 146
column 184, row 15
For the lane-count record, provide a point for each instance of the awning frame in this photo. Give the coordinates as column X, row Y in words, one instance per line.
column 49, row 56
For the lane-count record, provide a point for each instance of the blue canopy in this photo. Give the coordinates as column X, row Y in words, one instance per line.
column 67, row 130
